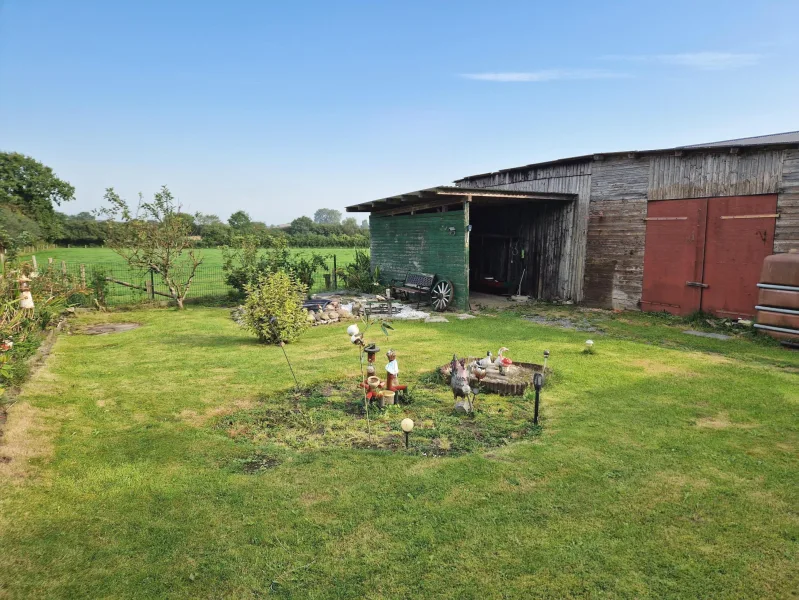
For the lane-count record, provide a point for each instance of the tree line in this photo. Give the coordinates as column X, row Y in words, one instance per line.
column 30, row 192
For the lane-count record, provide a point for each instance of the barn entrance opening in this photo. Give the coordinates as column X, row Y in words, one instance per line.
column 519, row 247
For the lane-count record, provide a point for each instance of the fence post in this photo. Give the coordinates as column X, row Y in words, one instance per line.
column 35, row 264
column 82, row 275
column 335, row 274
column 152, row 286
column 64, row 268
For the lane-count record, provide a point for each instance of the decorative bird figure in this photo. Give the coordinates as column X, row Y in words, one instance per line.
column 502, row 361
column 487, row 361
column 459, row 380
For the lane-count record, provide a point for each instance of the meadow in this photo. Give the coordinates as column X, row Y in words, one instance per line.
column 212, row 257
column 209, row 281
column 151, row 463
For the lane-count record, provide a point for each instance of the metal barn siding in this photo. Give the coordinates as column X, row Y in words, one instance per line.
column 423, row 243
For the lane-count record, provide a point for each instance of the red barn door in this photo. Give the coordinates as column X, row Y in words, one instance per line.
column 740, row 234
column 706, row 253
column 674, row 255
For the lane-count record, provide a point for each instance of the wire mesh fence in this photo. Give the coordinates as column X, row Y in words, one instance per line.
column 112, row 284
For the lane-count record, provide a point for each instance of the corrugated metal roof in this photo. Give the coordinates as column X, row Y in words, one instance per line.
column 444, row 194
column 774, row 139
column 789, row 137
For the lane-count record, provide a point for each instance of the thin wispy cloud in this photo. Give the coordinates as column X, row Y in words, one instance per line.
column 544, row 75
column 706, row 61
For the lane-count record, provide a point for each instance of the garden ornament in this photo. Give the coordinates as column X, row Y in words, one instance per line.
column 392, row 373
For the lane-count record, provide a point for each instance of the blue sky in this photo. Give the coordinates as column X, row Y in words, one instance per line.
column 281, row 108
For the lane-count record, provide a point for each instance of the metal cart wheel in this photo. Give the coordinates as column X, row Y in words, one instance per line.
column 441, row 295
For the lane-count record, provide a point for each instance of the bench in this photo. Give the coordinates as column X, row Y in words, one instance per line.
column 414, row 284
column 439, row 292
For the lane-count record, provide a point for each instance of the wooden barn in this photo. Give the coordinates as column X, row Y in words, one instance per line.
column 678, row 229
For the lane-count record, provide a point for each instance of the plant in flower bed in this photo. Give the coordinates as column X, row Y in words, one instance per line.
column 334, row 416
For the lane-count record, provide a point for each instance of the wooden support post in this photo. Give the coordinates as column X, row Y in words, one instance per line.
column 64, row 268
column 83, row 275
column 35, row 264
column 50, row 260
column 335, row 274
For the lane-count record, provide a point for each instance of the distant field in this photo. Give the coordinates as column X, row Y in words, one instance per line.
column 212, row 257
column 209, row 280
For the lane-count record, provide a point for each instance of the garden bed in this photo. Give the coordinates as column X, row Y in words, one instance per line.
column 334, row 416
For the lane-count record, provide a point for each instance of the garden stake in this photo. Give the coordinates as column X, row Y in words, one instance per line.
column 283, row 348
column 538, row 382
column 365, row 399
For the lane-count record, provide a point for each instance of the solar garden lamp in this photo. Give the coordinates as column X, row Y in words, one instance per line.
column 546, row 358
column 538, row 383
column 407, row 427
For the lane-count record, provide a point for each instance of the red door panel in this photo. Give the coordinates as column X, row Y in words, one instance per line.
column 734, row 252
column 674, row 254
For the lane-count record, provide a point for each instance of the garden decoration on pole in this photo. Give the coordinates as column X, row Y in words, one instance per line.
column 538, row 383
column 407, row 427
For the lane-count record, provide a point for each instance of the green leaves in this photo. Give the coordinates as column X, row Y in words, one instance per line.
column 273, row 309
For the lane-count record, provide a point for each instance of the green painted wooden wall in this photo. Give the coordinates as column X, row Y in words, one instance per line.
column 423, row 244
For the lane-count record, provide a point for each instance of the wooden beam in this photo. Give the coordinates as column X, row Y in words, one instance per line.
column 412, row 208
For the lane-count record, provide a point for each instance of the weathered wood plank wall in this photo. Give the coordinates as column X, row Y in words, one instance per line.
column 710, row 174
column 574, row 178
column 786, row 234
column 422, row 243
column 616, row 233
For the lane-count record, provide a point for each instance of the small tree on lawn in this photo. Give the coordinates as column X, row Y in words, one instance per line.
column 273, row 309
column 156, row 238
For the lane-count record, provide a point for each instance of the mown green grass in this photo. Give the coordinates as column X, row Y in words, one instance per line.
column 212, row 257
column 209, row 281
column 659, row 472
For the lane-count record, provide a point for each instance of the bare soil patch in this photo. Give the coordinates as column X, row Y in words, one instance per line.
column 107, row 328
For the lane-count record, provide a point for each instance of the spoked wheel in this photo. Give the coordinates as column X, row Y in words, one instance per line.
column 441, row 295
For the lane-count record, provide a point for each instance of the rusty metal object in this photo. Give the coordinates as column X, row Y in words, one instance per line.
column 778, row 309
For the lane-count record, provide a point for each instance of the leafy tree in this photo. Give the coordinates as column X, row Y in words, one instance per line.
column 301, row 225
column 85, row 216
column 156, row 238
column 203, row 220
column 349, row 226
column 365, row 224
column 239, row 221
column 32, row 188
column 215, row 234
column 327, row 216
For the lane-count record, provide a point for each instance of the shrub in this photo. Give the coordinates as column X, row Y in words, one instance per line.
column 273, row 309
column 359, row 275
column 245, row 262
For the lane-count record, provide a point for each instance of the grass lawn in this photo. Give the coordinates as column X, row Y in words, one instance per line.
column 212, row 256
column 208, row 282
column 151, row 464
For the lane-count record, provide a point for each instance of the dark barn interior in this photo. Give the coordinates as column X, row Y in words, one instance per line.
column 518, row 245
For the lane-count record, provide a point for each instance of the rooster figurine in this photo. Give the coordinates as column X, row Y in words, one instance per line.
column 459, row 379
